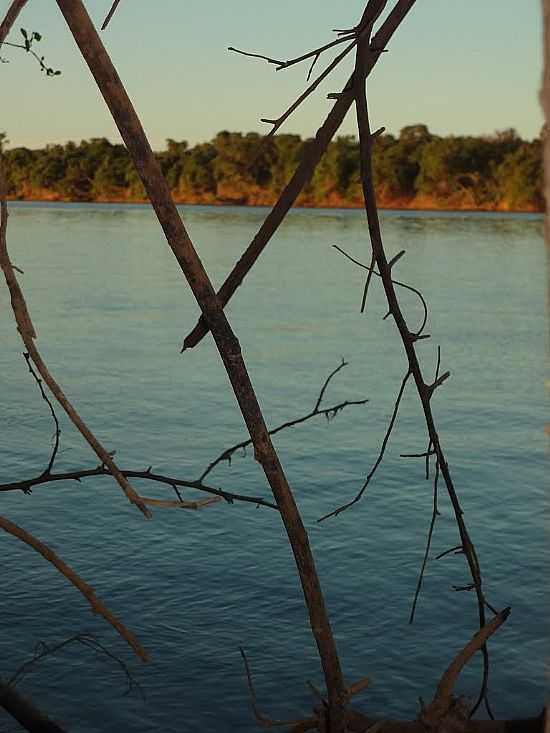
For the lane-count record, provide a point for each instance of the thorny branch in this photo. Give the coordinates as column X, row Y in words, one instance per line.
column 311, row 156
column 328, row 412
column 425, row 391
column 27, row 485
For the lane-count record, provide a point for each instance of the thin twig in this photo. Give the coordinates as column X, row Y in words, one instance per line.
column 43, row 650
column 435, row 511
column 279, row 121
column 27, row 485
column 428, row 545
column 262, row 719
column 291, row 62
column 400, row 284
column 379, row 459
column 328, row 412
column 47, row 400
column 110, row 14
column 87, row 591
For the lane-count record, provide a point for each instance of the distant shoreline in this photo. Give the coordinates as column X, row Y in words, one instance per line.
column 385, row 206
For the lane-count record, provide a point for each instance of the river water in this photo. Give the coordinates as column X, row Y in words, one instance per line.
column 111, row 310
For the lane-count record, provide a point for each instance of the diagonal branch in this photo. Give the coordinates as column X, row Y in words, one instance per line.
column 433, row 714
column 178, row 239
column 9, row 19
column 380, row 457
column 28, row 334
column 87, row 591
column 312, row 154
column 110, row 14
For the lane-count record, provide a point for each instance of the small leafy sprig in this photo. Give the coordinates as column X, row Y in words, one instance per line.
column 28, row 40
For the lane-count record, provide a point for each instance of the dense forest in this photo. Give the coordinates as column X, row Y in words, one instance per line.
column 414, row 170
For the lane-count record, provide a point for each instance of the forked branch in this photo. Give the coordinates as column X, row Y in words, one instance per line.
column 328, row 412
column 312, row 154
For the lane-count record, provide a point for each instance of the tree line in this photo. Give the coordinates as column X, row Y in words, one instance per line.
column 415, row 169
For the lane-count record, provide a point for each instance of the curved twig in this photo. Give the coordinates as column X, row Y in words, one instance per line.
column 47, row 400
column 379, row 459
column 262, row 719
column 400, row 284
column 434, row 712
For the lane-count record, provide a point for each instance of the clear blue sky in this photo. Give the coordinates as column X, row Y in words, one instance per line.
column 465, row 66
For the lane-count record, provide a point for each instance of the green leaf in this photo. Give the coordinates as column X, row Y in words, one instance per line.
column 24, row 32
column 37, row 36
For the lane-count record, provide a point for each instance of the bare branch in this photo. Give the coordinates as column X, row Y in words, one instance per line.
column 400, row 284
column 46, row 399
column 9, row 19
column 110, row 14
column 439, row 707
column 380, row 457
column 87, row 591
column 279, row 121
column 291, row 62
column 27, row 485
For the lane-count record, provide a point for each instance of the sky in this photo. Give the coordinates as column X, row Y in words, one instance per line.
column 460, row 66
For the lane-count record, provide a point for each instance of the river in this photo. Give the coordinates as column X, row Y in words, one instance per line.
column 111, row 309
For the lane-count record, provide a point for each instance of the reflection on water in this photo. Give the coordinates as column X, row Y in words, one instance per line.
column 111, row 310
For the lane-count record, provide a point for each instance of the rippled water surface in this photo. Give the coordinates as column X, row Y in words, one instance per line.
column 111, row 309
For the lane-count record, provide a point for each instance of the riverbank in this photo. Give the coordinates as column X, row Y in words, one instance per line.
column 332, row 201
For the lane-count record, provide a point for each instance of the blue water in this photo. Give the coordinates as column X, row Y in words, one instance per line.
column 111, row 309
